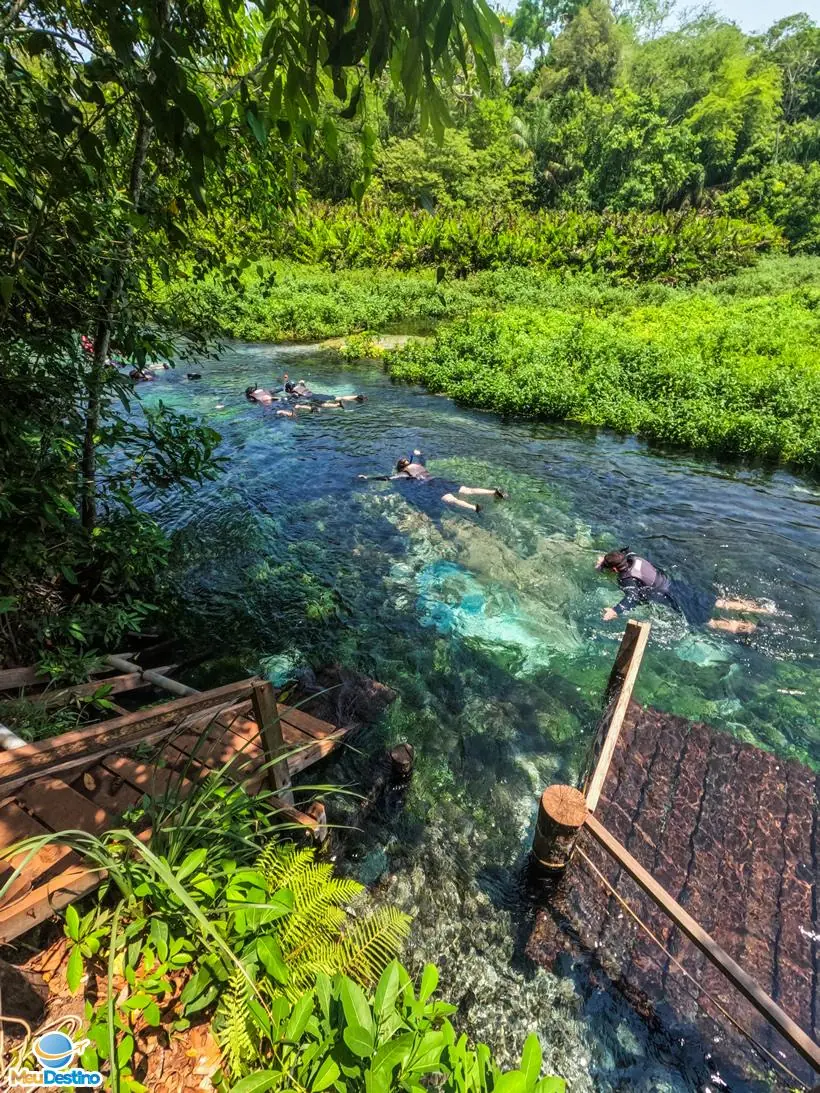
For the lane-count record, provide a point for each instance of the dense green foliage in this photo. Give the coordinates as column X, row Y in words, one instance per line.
column 738, row 379
column 628, row 246
column 120, row 126
column 220, row 917
column 612, row 109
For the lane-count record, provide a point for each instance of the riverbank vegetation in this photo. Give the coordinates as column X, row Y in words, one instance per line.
column 220, row 923
column 737, row 380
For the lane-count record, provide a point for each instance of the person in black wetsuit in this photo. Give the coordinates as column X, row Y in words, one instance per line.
column 300, row 390
column 642, row 582
column 414, row 472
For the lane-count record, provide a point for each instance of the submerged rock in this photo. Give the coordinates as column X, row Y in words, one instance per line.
column 343, row 696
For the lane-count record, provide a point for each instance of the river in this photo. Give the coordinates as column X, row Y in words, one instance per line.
column 488, row 626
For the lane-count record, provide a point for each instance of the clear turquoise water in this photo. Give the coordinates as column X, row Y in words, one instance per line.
column 489, row 629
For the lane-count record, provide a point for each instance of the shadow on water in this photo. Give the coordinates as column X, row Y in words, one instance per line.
column 488, row 628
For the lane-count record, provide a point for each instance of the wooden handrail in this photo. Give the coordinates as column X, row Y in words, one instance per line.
column 618, row 694
column 150, row 676
column 765, row 1006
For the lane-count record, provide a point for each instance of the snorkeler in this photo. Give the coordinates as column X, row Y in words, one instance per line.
column 414, row 470
column 641, row 583
column 254, row 393
column 301, row 390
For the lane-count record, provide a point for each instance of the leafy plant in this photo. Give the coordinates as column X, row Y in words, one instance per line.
column 335, row 1036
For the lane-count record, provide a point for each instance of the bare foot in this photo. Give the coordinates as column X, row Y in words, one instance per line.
column 733, row 626
column 747, row 605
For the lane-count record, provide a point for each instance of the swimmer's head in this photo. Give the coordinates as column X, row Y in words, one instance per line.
column 615, row 559
column 250, row 390
column 402, row 464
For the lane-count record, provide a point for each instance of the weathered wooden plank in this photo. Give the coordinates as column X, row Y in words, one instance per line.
column 619, row 692
column 791, row 1032
column 60, row 807
column 96, row 741
column 306, row 723
column 148, row 778
column 41, row 902
column 108, row 790
column 129, row 681
column 273, row 742
column 12, row 678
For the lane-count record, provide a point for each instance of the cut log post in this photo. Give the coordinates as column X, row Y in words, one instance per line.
column 402, row 758
column 273, row 743
column 318, row 812
column 561, row 815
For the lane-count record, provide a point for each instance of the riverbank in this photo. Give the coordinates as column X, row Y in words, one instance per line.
column 727, row 367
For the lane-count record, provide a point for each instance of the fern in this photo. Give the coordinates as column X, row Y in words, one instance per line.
column 233, row 1021
column 372, row 942
column 317, row 935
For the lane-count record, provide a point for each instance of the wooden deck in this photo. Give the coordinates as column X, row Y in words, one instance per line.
column 86, row 780
column 731, row 833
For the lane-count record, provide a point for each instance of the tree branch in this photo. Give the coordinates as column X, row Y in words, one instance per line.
column 15, row 10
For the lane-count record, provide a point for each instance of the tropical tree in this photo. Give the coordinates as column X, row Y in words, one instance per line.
column 119, row 123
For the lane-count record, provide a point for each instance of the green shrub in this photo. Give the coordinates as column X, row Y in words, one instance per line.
column 740, row 380
column 679, row 248
column 337, row 1037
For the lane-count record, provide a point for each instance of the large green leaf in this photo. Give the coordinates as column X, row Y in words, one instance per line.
column 511, row 1082
column 270, row 955
column 359, row 1039
column 355, row 1005
column 429, row 982
column 387, row 990
column 531, row 1059
column 258, row 1082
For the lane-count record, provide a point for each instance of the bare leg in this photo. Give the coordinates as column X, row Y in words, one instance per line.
column 451, row 499
column 745, row 605
column 479, row 491
column 733, row 626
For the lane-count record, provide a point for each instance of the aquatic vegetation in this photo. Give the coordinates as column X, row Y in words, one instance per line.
column 739, row 379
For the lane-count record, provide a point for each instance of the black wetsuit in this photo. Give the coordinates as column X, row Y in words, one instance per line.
column 643, row 583
column 296, row 391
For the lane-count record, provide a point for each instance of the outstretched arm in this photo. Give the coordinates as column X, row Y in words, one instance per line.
column 374, row 477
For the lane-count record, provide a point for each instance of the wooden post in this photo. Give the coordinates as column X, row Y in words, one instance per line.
column 713, row 952
column 562, row 811
column 619, row 690
column 401, row 762
column 273, row 744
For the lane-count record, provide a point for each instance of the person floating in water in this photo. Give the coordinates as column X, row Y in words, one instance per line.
column 300, row 389
column 641, row 583
column 255, row 393
column 414, row 471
